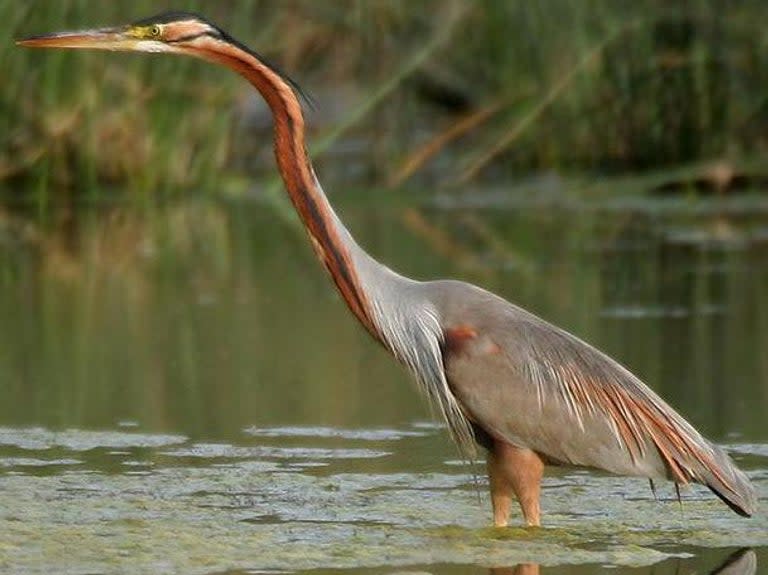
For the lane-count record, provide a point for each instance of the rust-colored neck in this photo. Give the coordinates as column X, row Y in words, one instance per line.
column 328, row 240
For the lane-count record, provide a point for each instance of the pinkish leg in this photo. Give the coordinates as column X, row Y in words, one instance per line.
column 514, row 471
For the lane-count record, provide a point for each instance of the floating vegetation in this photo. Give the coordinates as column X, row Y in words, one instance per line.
column 259, row 514
column 37, row 438
column 330, row 432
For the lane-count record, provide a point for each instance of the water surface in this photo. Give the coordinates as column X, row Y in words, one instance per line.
column 182, row 392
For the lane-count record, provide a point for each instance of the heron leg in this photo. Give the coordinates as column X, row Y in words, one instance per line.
column 514, row 471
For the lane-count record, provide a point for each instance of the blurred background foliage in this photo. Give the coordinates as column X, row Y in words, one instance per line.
column 425, row 92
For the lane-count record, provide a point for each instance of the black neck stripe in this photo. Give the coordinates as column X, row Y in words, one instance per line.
column 191, row 37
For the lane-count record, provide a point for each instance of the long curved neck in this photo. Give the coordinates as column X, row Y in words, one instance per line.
column 332, row 243
column 396, row 311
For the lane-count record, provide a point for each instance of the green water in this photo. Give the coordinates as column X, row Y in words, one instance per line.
column 181, row 391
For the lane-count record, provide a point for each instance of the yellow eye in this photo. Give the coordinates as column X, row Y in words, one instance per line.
column 155, row 31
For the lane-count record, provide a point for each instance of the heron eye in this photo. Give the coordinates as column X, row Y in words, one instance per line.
column 155, row 31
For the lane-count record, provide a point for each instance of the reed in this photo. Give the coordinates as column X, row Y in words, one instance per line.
column 596, row 86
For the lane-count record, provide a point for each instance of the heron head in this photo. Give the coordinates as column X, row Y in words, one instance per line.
column 172, row 32
column 177, row 32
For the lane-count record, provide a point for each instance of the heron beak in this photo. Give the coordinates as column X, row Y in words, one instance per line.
column 100, row 39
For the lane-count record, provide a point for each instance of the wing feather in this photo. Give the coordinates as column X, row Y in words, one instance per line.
column 554, row 393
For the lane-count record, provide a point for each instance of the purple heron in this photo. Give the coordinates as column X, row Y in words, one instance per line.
column 528, row 392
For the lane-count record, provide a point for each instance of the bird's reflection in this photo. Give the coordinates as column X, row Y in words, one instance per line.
column 522, row 569
column 741, row 562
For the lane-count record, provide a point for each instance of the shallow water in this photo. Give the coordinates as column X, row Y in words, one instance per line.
column 293, row 499
column 182, row 393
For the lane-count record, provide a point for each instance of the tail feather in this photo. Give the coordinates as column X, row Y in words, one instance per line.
column 690, row 457
column 729, row 483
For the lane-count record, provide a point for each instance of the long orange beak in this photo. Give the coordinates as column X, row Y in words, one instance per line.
column 99, row 39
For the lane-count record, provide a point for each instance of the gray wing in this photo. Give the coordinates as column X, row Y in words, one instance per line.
column 531, row 384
